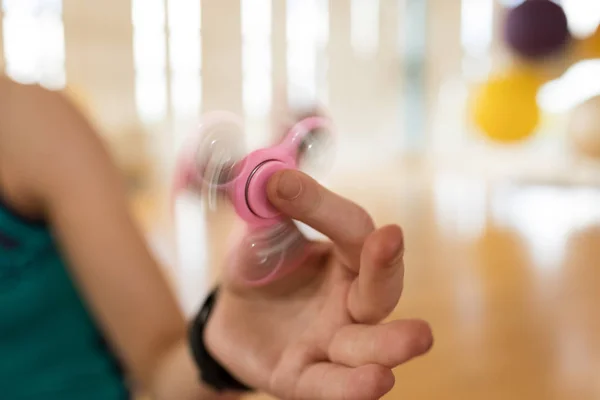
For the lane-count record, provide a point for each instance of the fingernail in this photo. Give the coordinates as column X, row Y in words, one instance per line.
column 398, row 254
column 289, row 186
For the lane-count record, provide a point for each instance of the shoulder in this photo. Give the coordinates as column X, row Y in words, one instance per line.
column 28, row 111
column 18, row 105
column 17, row 100
column 44, row 140
column 30, row 116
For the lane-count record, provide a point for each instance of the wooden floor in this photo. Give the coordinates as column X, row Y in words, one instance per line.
column 508, row 274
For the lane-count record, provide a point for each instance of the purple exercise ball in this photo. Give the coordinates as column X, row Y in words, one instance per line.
column 537, row 29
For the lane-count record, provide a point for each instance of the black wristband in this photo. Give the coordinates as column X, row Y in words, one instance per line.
column 211, row 372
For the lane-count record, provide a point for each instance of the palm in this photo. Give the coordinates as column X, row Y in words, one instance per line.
column 315, row 334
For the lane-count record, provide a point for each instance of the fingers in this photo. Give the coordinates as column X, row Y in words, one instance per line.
column 388, row 344
column 303, row 374
column 376, row 291
column 302, row 198
column 326, row 381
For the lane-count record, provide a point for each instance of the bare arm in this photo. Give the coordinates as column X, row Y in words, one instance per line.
column 53, row 163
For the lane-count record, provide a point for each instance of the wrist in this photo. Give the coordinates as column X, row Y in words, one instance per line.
column 213, row 372
column 176, row 377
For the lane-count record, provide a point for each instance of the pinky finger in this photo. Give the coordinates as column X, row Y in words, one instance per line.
column 389, row 344
column 326, row 381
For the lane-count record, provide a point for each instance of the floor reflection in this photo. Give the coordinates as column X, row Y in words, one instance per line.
column 192, row 251
column 546, row 217
column 460, row 204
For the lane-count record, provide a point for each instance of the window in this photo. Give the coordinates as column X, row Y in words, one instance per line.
column 160, row 80
column 257, row 61
column 322, row 43
column 307, row 37
column 185, row 54
column 149, row 49
column 34, row 43
column 364, row 25
column 583, row 16
column 477, row 26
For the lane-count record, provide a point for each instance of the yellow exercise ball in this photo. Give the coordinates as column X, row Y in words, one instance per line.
column 505, row 108
column 584, row 128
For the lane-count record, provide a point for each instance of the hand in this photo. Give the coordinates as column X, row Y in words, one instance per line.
column 317, row 333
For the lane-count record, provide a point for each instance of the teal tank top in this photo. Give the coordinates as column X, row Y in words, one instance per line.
column 50, row 347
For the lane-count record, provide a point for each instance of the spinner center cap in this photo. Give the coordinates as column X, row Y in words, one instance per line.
column 256, row 188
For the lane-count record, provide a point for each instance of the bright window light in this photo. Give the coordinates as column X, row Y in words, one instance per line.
column 151, row 95
column 256, row 18
column 34, row 43
column 185, row 93
column 185, row 57
column 583, row 15
column 577, row 85
column 477, row 26
column 256, row 57
column 149, row 50
column 147, row 14
column 159, row 25
column 307, row 35
column 364, row 25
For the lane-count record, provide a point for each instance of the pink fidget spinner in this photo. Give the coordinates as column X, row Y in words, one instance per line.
column 216, row 163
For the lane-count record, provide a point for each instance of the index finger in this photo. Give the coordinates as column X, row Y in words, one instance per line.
column 300, row 197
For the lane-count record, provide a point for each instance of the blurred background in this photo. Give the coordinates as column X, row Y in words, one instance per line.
column 475, row 124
